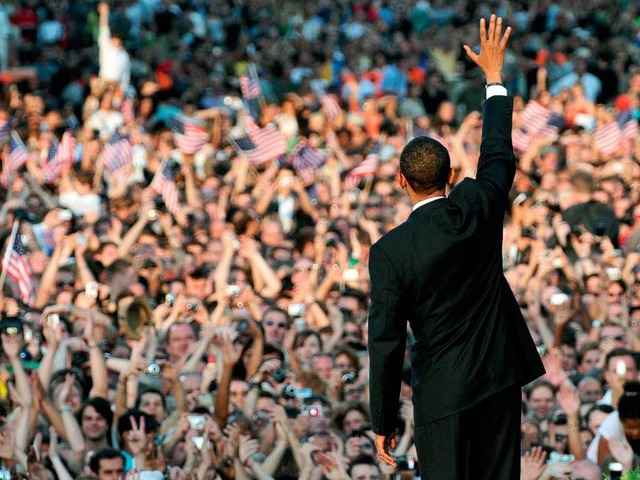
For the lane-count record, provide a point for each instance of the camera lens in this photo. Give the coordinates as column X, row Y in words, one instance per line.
column 289, row 392
column 279, row 374
column 349, row 378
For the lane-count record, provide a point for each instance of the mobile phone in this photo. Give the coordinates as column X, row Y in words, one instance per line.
column 303, row 393
column 5, row 474
column 91, row 289
column 81, row 239
column 558, row 298
column 53, row 319
column 196, row 421
column 621, row 368
column 405, row 462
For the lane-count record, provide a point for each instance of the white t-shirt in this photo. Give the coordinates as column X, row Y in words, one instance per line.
column 80, row 205
column 115, row 65
column 610, row 428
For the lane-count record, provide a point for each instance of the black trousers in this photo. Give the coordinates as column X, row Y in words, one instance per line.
column 482, row 442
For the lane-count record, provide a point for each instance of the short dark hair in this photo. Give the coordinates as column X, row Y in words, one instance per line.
column 124, row 422
column 362, row 460
column 151, row 390
column 620, row 352
column 103, row 454
column 425, row 164
column 629, row 404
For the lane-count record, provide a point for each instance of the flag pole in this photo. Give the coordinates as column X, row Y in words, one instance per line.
column 5, row 259
column 254, row 73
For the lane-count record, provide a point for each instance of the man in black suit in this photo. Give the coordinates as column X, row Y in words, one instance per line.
column 441, row 271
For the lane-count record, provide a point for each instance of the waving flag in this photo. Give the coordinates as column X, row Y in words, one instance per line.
column 367, row 168
column 18, row 155
column 521, row 140
column 164, row 184
column 118, row 152
column 16, row 266
column 416, row 130
column 306, row 160
column 60, row 156
column 628, row 125
column 608, row 137
column 268, row 143
column 250, row 84
column 554, row 124
column 5, row 128
column 534, row 117
column 189, row 137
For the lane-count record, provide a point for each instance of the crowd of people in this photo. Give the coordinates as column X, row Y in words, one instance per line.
column 177, row 303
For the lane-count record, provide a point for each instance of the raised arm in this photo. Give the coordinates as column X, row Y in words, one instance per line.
column 496, row 150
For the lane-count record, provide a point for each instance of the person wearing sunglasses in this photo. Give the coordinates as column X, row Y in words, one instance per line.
column 275, row 323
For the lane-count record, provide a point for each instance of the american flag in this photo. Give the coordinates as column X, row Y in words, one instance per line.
column 60, row 156
column 18, row 155
column 628, row 124
column 189, row 137
column 367, row 168
column 608, row 137
column 128, row 110
column 164, row 184
column 250, row 84
column 118, row 152
column 16, row 264
column 416, row 130
column 306, row 160
column 244, row 146
column 269, row 142
column 5, row 128
column 554, row 124
column 534, row 117
column 521, row 140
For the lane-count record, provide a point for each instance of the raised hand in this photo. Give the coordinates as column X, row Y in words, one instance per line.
column 11, row 346
column 532, row 464
column 65, row 390
column 137, row 438
column 492, row 49
column 569, row 399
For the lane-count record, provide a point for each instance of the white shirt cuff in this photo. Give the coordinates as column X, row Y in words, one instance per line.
column 496, row 90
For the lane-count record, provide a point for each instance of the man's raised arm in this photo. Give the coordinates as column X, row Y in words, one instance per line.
column 496, row 166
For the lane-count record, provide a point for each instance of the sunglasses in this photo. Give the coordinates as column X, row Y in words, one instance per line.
column 271, row 323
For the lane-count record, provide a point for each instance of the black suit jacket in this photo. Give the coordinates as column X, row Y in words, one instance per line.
column 441, row 270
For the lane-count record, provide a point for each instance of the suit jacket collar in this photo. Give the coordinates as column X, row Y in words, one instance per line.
column 429, row 207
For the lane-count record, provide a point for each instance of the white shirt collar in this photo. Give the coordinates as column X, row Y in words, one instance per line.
column 425, row 201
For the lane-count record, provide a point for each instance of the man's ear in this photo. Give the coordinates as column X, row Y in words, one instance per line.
column 402, row 180
column 452, row 177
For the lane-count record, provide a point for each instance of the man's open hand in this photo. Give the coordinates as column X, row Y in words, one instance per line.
column 492, row 49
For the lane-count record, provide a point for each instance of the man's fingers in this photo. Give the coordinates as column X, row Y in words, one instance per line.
column 388, row 459
column 483, row 31
column 498, row 30
column 505, row 39
column 492, row 28
column 471, row 54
